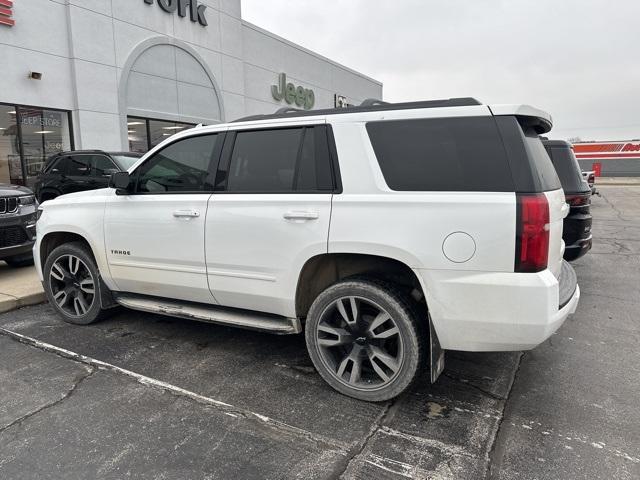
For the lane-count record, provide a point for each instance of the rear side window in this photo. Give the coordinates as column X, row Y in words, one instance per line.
column 441, row 154
column 568, row 169
column 547, row 176
column 284, row 160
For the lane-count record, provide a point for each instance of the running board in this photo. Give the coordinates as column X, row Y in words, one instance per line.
column 211, row 314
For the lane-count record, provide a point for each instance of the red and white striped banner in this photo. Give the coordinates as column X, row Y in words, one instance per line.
column 609, row 150
column 6, row 12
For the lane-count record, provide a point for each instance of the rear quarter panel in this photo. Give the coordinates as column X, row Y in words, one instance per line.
column 411, row 227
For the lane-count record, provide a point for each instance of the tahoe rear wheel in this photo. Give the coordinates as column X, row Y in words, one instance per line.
column 71, row 283
column 365, row 339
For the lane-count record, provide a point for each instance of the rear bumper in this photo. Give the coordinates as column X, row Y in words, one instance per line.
column 486, row 312
column 577, row 233
column 578, row 249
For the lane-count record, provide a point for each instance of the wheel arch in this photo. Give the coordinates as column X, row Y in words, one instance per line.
column 48, row 192
column 322, row 271
column 52, row 240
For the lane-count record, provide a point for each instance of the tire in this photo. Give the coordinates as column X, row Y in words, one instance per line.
column 378, row 355
column 70, row 275
column 19, row 261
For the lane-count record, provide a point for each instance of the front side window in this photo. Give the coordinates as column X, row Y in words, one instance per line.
column 182, row 166
column 72, row 166
column 280, row 161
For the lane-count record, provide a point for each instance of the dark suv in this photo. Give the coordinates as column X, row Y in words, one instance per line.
column 577, row 225
column 17, row 224
column 69, row 172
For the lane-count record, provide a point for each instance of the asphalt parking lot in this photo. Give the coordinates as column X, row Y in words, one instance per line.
column 145, row 396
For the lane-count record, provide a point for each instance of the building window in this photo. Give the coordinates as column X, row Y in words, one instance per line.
column 146, row 133
column 28, row 136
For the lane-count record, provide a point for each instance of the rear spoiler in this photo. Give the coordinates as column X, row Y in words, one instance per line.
column 527, row 115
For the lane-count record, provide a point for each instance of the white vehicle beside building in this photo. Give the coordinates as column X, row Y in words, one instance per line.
column 385, row 232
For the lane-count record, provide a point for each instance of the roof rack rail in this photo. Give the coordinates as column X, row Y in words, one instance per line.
column 376, row 107
column 370, row 102
column 282, row 110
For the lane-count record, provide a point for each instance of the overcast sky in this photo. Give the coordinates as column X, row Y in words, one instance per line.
column 577, row 59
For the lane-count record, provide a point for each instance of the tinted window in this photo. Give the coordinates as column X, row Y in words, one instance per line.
column 542, row 167
column 103, row 165
column 78, row 165
column 443, row 154
column 567, row 169
column 180, row 167
column 264, row 160
column 314, row 166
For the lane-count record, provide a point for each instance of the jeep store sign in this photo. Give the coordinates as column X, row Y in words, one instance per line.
column 196, row 12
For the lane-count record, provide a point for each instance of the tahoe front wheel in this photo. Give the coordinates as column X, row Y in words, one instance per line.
column 365, row 339
column 71, row 283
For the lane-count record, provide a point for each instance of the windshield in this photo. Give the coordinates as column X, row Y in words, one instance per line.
column 125, row 161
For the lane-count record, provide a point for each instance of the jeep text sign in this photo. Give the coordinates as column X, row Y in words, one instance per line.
column 303, row 97
column 196, row 12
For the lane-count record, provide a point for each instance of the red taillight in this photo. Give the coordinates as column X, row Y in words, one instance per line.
column 532, row 233
column 577, row 200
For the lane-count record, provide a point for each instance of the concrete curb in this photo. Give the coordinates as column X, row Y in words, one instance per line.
column 623, row 181
column 9, row 302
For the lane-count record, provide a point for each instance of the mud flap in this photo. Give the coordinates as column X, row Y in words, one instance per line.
column 106, row 298
column 436, row 360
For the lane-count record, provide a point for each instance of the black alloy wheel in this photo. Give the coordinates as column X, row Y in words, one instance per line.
column 366, row 338
column 72, row 283
column 360, row 343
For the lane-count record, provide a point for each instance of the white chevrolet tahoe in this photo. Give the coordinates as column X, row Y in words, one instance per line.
column 387, row 232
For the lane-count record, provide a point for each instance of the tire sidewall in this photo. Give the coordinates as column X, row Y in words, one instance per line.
column 412, row 355
column 79, row 251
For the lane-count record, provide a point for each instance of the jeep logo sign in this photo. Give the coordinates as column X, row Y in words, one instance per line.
column 303, row 97
column 196, row 12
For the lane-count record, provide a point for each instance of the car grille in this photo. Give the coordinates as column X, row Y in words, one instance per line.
column 12, row 236
column 8, row 204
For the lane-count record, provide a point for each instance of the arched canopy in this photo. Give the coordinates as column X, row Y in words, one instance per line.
column 166, row 79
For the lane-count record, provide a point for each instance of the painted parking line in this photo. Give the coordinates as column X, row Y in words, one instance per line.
column 226, row 408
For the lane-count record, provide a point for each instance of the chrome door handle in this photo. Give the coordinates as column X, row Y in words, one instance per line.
column 186, row 214
column 301, row 215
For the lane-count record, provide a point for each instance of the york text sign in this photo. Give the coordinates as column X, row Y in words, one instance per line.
column 302, row 97
column 196, row 12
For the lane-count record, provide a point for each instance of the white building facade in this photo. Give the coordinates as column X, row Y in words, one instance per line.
column 122, row 75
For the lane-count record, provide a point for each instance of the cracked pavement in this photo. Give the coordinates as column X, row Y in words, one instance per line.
column 145, row 396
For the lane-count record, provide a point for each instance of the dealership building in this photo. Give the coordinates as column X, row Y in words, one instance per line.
column 123, row 75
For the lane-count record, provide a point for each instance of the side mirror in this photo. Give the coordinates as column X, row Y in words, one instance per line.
column 120, row 181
